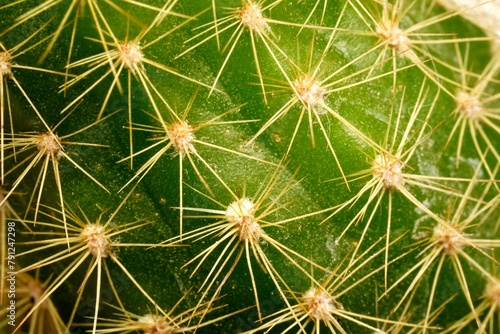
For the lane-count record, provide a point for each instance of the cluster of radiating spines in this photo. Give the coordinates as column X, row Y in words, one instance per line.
column 29, row 290
column 174, row 321
column 8, row 67
column 391, row 171
column 43, row 150
column 123, row 58
column 177, row 137
column 451, row 239
column 148, row 324
column 71, row 12
column 30, row 149
column 122, row 53
column 252, row 17
column 240, row 232
column 77, row 243
column 320, row 306
column 488, row 310
column 309, row 85
column 476, row 115
column 399, row 36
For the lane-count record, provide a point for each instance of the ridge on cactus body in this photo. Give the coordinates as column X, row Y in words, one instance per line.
column 249, row 166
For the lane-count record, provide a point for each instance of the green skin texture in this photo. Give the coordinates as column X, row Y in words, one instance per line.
column 156, row 199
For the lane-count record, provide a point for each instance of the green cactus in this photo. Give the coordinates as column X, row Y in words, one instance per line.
column 229, row 166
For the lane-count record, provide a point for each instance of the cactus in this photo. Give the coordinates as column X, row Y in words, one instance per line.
column 248, row 166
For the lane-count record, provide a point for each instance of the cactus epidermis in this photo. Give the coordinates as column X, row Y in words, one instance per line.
column 263, row 166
